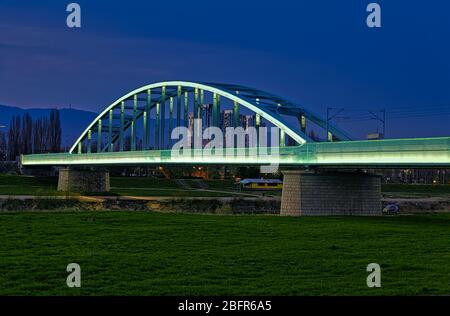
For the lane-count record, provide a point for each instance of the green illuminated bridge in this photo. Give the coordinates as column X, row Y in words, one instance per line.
column 432, row 152
column 135, row 130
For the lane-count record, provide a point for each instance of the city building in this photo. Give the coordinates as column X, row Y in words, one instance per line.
column 248, row 121
column 374, row 136
column 207, row 115
column 226, row 119
column 191, row 122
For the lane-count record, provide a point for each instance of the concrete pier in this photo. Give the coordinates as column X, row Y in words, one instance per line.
column 338, row 193
column 83, row 181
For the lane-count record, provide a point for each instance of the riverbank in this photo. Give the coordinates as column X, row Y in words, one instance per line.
column 212, row 205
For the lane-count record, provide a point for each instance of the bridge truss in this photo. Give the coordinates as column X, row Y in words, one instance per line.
column 135, row 129
column 171, row 103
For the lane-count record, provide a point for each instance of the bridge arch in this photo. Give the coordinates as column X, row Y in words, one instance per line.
column 265, row 106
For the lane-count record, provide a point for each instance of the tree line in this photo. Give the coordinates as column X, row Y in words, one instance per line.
column 26, row 136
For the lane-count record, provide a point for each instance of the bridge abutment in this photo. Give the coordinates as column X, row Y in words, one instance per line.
column 330, row 193
column 71, row 180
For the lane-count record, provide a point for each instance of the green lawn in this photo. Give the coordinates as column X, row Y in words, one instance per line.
column 143, row 186
column 136, row 186
column 417, row 189
column 23, row 185
column 130, row 186
column 144, row 253
column 165, row 192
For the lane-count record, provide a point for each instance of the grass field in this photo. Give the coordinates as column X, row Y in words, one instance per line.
column 21, row 185
column 134, row 186
column 144, row 253
column 417, row 189
column 142, row 186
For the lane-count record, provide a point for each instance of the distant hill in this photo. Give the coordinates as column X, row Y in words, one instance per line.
column 73, row 121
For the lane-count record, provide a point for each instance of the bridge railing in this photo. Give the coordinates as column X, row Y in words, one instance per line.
column 415, row 151
column 412, row 152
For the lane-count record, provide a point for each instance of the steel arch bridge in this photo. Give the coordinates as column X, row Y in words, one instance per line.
column 177, row 98
column 112, row 137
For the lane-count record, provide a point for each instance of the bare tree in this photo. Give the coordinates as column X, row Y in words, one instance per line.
column 26, row 139
column 14, row 146
column 3, row 146
column 40, row 135
column 54, row 133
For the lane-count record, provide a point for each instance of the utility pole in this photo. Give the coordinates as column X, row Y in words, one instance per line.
column 381, row 118
column 329, row 118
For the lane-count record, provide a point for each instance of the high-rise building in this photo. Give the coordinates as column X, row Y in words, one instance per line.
column 226, row 119
column 248, row 121
column 206, row 116
column 191, row 122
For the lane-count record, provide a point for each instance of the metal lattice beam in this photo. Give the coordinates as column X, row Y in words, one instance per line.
column 265, row 105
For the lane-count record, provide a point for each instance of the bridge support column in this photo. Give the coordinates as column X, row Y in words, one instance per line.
column 338, row 193
column 83, row 181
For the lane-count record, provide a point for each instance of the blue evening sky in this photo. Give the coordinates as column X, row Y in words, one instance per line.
column 316, row 53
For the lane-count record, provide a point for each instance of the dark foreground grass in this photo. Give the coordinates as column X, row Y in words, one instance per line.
column 144, row 253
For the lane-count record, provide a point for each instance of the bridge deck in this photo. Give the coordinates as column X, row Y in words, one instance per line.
column 417, row 152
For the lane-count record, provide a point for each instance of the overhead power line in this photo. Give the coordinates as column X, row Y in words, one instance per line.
column 397, row 113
